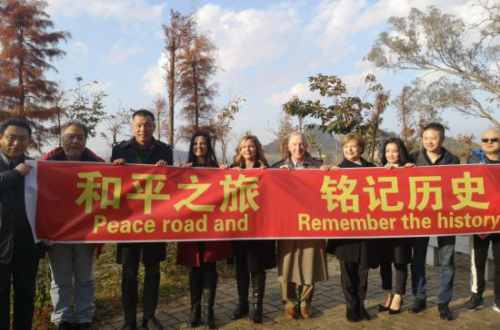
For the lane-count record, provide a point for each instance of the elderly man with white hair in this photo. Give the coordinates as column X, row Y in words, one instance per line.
column 300, row 262
column 488, row 154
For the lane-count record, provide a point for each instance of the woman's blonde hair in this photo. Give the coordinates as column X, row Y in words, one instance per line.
column 260, row 157
column 356, row 137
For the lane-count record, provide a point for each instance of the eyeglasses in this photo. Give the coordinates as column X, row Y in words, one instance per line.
column 20, row 138
column 490, row 140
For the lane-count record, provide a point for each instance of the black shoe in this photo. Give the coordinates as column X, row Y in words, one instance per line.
column 418, row 305
column 396, row 311
column 475, row 302
column 352, row 315
column 152, row 324
column 382, row 308
column 256, row 313
column 195, row 318
column 363, row 314
column 241, row 310
column 64, row 326
column 129, row 326
column 84, row 326
column 444, row 312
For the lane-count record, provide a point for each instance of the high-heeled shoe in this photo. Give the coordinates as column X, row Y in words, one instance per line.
column 382, row 308
column 396, row 311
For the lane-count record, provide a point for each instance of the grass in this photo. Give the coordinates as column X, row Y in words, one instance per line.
column 174, row 282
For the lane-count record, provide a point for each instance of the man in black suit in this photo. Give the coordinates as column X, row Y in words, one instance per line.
column 141, row 149
column 19, row 255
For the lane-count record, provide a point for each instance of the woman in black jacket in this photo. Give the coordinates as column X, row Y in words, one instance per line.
column 253, row 257
column 356, row 256
column 394, row 250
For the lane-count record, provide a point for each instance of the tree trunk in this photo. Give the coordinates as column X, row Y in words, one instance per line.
column 171, row 97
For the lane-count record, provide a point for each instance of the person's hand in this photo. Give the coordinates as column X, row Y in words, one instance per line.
column 161, row 163
column 47, row 242
column 389, row 166
column 186, row 165
column 224, row 166
column 286, row 167
column 23, row 169
column 410, row 165
column 325, row 167
column 120, row 161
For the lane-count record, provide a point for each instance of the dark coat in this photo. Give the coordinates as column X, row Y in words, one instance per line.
column 11, row 179
column 129, row 150
column 447, row 158
column 364, row 251
column 191, row 254
column 260, row 254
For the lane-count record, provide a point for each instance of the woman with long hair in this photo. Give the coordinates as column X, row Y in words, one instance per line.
column 202, row 257
column 253, row 257
column 395, row 251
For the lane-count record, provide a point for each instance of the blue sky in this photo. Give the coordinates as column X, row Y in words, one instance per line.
column 266, row 50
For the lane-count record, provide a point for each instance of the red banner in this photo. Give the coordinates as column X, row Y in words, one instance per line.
column 107, row 203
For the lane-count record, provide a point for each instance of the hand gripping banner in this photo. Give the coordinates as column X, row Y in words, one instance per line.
column 83, row 202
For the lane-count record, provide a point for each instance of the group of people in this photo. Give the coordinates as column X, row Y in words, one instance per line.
column 300, row 263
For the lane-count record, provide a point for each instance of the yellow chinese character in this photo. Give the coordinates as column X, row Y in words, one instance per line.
column 382, row 201
column 89, row 194
column 247, row 187
column 114, row 202
column 199, row 189
column 148, row 194
column 330, row 189
column 465, row 187
column 425, row 190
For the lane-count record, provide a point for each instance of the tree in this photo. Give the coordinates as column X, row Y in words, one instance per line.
column 405, row 108
column 27, row 48
column 223, row 121
column 159, row 107
column 381, row 103
column 466, row 55
column 197, row 67
column 176, row 32
column 115, row 124
column 345, row 114
column 87, row 106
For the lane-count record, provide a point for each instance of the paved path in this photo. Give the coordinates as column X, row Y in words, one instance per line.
column 329, row 309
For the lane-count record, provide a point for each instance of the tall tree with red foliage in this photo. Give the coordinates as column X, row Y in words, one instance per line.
column 28, row 46
column 197, row 66
column 177, row 32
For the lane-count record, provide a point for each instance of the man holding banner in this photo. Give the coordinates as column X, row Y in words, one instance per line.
column 141, row 149
column 68, row 260
column 489, row 154
column 433, row 154
column 19, row 255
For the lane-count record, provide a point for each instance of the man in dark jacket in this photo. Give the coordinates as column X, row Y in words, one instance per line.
column 19, row 255
column 488, row 154
column 433, row 154
column 72, row 260
column 141, row 149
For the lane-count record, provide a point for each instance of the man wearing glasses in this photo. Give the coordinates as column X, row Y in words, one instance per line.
column 488, row 154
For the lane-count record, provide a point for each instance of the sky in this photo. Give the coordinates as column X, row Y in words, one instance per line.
column 266, row 52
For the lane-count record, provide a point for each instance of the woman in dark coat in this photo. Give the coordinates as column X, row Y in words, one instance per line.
column 202, row 257
column 394, row 250
column 253, row 257
column 356, row 256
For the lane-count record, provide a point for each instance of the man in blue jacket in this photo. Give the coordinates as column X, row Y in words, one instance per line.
column 488, row 154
